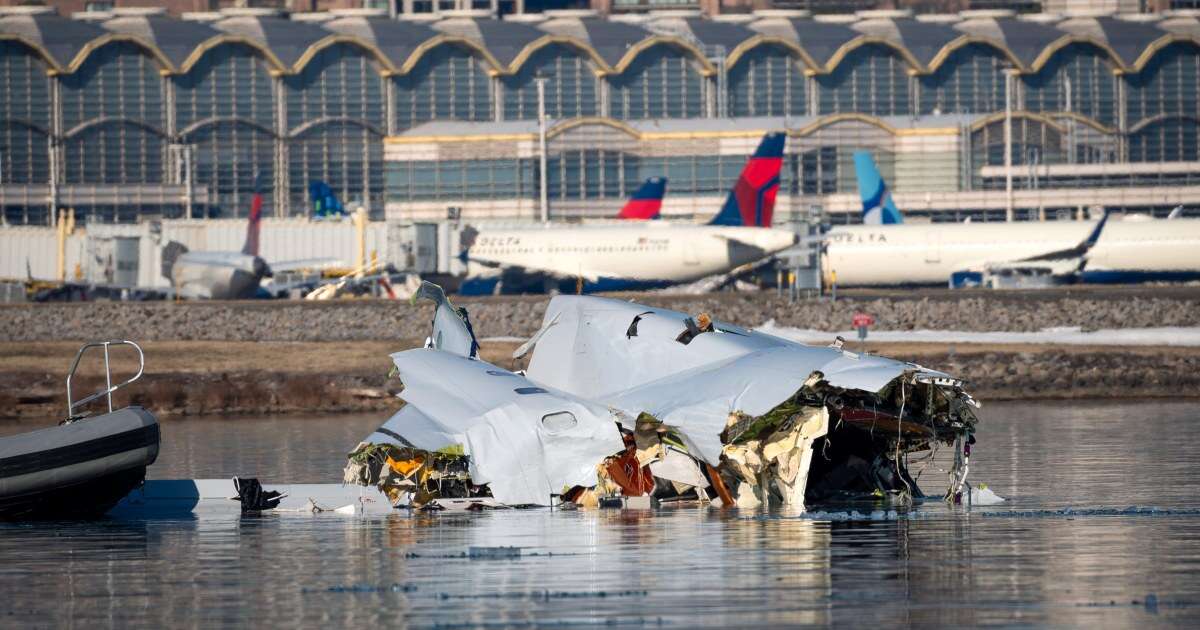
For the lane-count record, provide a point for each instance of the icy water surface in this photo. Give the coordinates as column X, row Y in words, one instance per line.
column 1046, row 557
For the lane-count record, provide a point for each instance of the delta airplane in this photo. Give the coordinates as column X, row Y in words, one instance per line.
column 641, row 254
column 220, row 275
column 1039, row 253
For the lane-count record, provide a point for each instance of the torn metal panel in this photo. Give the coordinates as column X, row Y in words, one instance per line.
column 624, row 399
column 452, row 330
column 590, row 352
column 523, row 440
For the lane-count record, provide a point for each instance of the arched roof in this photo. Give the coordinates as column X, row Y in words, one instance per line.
column 503, row 40
column 921, row 40
column 174, row 39
column 1124, row 40
column 288, row 40
column 397, row 40
column 611, row 45
column 819, row 41
column 59, row 40
column 1020, row 40
column 610, row 40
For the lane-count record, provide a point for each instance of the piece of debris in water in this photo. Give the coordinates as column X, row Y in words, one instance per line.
column 625, row 404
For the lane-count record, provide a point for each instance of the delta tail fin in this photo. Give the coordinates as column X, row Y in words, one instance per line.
column 751, row 202
column 878, row 208
column 646, row 202
column 255, row 218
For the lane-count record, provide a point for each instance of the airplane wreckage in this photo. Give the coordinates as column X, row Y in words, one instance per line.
column 629, row 404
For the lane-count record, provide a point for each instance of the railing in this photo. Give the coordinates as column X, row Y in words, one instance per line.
column 109, row 387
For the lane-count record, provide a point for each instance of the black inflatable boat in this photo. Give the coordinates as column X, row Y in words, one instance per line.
column 81, row 468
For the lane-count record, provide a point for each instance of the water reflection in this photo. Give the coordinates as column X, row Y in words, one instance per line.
column 674, row 567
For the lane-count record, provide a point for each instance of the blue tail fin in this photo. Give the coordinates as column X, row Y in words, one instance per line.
column 325, row 201
column 751, row 202
column 876, row 199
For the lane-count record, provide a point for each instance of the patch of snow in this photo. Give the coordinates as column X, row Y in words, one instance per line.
column 1063, row 335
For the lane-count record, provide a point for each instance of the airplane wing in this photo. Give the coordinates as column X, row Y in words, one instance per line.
column 305, row 263
column 1077, row 252
column 566, row 272
column 1057, row 263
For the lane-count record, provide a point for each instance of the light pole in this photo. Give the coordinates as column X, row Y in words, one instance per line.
column 1008, row 178
column 540, row 79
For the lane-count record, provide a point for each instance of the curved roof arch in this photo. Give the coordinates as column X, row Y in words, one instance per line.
column 828, row 121
column 1161, row 44
column 706, row 67
column 600, row 67
column 748, row 46
column 220, row 121
column 567, row 125
column 112, row 120
column 965, row 40
column 991, row 119
column 97, row 44
column 208, row 45
column 174, row 38
column 866, row 40
column 1063, row 42
column 1162, row 118
column 16, row 122
column 385, row 63
column 335, row 120
column 38, row 50
column 396, row 39
column 58, row 39
column 429, row 45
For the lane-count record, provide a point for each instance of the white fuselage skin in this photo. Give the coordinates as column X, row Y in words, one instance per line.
column 218, row 275
column 873, row 255
column 647, row 251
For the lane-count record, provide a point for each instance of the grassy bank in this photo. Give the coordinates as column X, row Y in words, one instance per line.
column 241, row 377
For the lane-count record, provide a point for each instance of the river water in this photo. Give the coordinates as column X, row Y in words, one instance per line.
column 1060, row 551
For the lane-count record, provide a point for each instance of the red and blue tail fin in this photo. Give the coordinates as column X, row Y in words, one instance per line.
column 256, row 204
column 646, row 202
column 752, row 200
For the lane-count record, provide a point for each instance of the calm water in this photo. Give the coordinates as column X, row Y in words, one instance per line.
column 1024, row 562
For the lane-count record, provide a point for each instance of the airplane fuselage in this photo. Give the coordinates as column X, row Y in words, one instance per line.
column 218, row 275
column 612, row 257
column 1128, row 251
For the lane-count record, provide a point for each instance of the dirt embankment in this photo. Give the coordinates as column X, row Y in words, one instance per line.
column 223, row 377
column 279, row 357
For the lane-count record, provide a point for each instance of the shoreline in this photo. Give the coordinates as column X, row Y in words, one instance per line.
column 241, row 378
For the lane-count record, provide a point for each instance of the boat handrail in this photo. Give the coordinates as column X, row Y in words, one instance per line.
column 110, row 388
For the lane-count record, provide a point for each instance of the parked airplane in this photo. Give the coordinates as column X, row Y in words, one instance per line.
column 1007, row 254
column 646, row 202
column 878, row 208
column 225, row 275
column 644, row 255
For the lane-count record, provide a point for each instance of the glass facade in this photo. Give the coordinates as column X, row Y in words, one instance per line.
column 1079, row 78
column 871, row 79
column 570, row 85
column 118, row 116
column 448, row 83
column 662, row 82
column 971, row 81
column 768, row 81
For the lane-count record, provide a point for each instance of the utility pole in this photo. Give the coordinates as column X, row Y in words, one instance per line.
column 540, row 79
column 1008, row 178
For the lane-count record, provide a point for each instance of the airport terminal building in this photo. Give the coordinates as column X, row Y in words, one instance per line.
column 133, row 113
